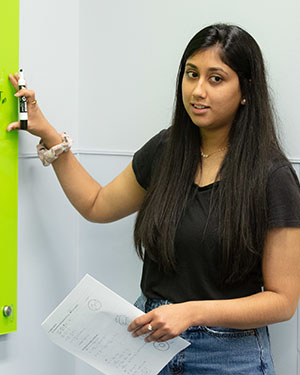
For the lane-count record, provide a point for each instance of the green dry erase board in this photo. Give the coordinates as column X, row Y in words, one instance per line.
column 9, row 63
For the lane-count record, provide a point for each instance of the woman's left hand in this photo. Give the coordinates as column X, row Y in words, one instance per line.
column 163, row 323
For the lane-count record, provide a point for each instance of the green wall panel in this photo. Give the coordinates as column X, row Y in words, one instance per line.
column 9, row 63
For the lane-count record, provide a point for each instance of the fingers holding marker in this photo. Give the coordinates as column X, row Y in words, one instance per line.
column 29, row 95
column 14, row 80
column 30, row 116
column 21, row 87
column 23, row 115
column 29, row 103
column 14, row 126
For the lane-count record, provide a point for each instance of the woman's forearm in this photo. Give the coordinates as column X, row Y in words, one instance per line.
column 80, row 188
column 242, row 313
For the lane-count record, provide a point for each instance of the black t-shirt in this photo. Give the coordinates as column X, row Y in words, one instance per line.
column 197, row 276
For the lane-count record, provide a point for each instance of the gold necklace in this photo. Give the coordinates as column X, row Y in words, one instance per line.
column 208, row 155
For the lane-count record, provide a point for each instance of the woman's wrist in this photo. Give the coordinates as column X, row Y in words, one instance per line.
column 48, row 156
column 51, row 138
column 195, row 315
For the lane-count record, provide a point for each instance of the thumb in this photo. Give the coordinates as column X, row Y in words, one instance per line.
column 13, row 126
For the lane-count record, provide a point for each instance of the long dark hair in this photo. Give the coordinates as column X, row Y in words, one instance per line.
column 240, row 198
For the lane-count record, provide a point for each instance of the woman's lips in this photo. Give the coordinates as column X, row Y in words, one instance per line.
column 199, row 109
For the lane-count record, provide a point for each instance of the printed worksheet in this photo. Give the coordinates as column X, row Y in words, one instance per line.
column 91, row 323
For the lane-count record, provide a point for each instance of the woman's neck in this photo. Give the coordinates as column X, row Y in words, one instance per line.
column 212, row 141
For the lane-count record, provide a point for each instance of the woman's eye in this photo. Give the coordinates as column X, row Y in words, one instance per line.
column 216, row 79
column 191, row 74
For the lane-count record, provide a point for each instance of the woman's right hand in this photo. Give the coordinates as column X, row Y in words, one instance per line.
column 37, row 124
column 121, row 197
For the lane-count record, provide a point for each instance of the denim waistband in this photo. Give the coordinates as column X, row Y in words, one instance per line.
column 147, row 304
column 151, row 303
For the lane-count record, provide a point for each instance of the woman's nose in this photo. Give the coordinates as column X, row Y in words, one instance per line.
column 200, row 89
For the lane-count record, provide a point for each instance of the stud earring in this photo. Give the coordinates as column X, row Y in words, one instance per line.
column 243, row 102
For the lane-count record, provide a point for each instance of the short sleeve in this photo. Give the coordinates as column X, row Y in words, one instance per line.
column 283, row 194
column 145, row 159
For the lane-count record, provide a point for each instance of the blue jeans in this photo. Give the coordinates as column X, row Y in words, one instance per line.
column 217, row 350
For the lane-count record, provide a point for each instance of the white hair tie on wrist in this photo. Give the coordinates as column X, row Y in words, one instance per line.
column 48, row 156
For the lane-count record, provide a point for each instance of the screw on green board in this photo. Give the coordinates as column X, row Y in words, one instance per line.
column 9, row 61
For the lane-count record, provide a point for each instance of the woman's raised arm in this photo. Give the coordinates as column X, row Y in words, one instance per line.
column 118, row 199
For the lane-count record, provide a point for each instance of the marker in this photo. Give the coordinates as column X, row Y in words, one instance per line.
column 23, row 115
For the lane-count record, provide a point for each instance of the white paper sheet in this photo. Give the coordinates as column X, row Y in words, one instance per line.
column 91, row 323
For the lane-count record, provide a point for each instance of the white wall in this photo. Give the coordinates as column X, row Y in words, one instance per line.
column 131, row 50
column 105, row 72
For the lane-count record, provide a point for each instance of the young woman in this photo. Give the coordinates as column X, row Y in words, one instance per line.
column 218, row 223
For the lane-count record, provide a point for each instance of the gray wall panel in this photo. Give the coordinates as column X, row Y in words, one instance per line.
column 284, row 346
column 106, row 250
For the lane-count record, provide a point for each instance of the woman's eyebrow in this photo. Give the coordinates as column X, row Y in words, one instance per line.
column 212, row 69
column 215, row 69
column 191, row 65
